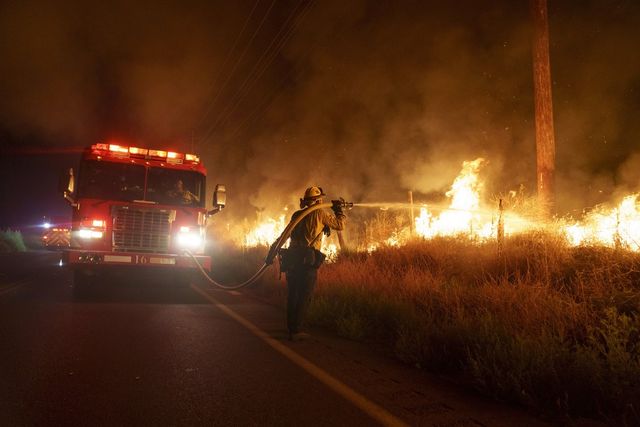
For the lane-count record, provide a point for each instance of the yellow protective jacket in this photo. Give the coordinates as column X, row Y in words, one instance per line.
column 312, row 225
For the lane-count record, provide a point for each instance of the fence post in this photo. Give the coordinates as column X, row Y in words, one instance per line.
column 412, row 226
column 500, row 227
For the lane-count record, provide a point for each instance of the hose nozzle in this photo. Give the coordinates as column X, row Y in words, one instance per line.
column 342, row 203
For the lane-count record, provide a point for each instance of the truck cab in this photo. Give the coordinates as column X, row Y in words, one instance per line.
column 137, row 208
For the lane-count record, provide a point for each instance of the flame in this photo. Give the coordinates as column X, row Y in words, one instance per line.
column 616, row 227
column 266, row 232
column 463, row 215
column 467, row 216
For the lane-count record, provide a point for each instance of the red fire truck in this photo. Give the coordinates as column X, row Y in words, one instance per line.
column 136, row 208
column 56, row 233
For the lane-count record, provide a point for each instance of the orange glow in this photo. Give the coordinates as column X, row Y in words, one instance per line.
column 265, row 233
column 192, row 158
column 613, row 227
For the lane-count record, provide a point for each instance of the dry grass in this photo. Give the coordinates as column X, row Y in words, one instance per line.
column 548, row 326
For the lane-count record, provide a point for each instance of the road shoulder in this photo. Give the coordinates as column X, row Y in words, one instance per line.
column 412, row 395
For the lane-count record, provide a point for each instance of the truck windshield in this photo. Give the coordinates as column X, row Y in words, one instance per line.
column 111, row 181
column 175, row 187
column 125, row 182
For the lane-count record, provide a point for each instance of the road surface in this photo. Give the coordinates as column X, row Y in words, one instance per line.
column 146, row 353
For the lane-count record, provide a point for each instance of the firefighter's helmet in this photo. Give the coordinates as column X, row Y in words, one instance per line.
column 313, row 193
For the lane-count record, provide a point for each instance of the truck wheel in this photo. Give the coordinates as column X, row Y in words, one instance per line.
column 82, row 284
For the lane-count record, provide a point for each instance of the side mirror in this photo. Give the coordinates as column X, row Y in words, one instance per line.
column 63, row 181
column 219, row 199
column 67, row 185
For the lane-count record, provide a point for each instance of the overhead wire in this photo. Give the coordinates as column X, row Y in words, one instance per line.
column 263, row 63
column 242, row 55
column 268, row 99
column 267, row 59
column 224, row 64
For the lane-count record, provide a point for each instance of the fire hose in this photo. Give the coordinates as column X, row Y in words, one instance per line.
column 273, row 252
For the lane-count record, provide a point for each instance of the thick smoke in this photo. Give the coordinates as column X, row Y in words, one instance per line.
column 368, row 98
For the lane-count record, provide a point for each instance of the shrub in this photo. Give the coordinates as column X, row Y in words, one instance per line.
column 11, row 241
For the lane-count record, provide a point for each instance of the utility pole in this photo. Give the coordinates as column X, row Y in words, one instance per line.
column 545, row 140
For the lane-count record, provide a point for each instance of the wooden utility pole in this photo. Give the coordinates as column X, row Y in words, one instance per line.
column 545, row 141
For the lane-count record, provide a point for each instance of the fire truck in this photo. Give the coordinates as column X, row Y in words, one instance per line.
column 56, row 233
column 136, row 208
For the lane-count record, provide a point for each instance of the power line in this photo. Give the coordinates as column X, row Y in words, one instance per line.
column 244, row 52
column 224, row 64
column 269, row 98
column 261, row 65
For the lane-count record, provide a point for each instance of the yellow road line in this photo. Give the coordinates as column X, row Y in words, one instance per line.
column 375, row 411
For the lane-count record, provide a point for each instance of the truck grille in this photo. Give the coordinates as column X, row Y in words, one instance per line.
column 141, row 230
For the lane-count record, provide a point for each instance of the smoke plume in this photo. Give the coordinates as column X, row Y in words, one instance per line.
column 368, row 99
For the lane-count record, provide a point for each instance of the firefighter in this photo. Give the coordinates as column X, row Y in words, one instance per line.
column 182, row 195
column 306, row 258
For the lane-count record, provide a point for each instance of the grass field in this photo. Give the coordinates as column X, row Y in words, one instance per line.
column 544, row 325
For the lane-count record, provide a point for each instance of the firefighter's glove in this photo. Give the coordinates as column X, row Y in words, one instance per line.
column 327, row 230
column 337, row 209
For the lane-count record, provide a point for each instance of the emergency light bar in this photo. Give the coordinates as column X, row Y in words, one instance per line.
column 138, row 151
column 120, row 151
column 158, row 153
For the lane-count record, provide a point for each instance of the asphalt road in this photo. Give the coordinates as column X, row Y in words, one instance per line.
column 146, row 353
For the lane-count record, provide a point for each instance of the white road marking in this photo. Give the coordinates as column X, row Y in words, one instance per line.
column 372, row 409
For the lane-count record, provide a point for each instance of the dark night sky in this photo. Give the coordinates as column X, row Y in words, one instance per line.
column 367, row 98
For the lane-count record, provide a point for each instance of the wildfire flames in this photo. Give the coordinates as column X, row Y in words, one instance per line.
column 462, row 216
column 617, row 227
column 468, row 215
column 265, row 233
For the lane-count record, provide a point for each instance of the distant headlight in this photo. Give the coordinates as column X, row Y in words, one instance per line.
column 46, row 225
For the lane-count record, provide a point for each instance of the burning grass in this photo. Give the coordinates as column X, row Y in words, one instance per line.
column 546, row 325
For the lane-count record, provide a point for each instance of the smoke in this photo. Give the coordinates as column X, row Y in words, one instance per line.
column 78, row 72
column 367, row 99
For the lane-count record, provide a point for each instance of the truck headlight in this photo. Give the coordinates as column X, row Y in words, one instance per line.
column 189, row 239
column 92, row 228
column 85, row 233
